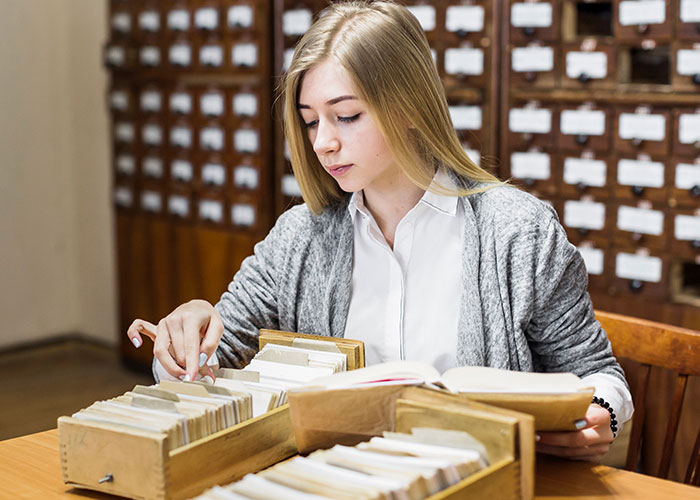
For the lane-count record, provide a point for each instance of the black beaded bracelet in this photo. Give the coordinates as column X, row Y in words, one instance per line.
column 613, row 418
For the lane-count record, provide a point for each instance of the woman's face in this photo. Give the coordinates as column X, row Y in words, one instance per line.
column 344, row 136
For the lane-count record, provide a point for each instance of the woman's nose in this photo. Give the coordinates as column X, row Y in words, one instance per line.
column 326, row 140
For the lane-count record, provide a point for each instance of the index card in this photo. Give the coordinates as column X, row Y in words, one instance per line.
column 245, row 177
column 179, row 205
column 425, row 15
column 245, row 104
column 689, row 128
column 214, row 173
column 153, row 167
column 206, row 18
column 124, row 131
column 290, row 186
column 593, row 259
column 149, row 55
column 690, row 11
column 126, row 164
column 115, row 55
column 287, row 58
column 584, row 214
column 246, row 140
column 181, row 136
column 464, row 61
column 212, row 104
column 582, row 121
column 640, row 220
column 152, row 134
column 592, row 64
column 178, row 20
column 211, row 55
column 211, row 210
column 688, row 62
column 243, row 214
column 151, row 100
column 584, row 171
column 532, row 58
column 642, row 12
column 640, row 173
column 244, row 54
column 530, row 120
column 181, row 102
column 687, row 227
column 180, row 54
column 687, row 175
column 466, row 117
column 119, row 100
column 123, row 196
column 530, row 165
column 638, row 267
column 642, row 126
column 151, row 201
column 181, row 170
column 121, row 22
column 240, row 16
column 473, row 155
column 469, row 18
column 531, row 15
column 149, row 20
column 296, row 21
column 212, row 138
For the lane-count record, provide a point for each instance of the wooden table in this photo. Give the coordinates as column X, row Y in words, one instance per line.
column 30, row 469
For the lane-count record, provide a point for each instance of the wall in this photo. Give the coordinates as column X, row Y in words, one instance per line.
column 57, row 252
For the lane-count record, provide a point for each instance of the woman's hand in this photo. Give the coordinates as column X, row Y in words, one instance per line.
column 184, row 340
column 590, row 443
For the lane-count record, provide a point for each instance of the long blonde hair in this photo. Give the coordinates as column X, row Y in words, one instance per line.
column 383, row 48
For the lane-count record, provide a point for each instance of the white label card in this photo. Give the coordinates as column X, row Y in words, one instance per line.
column 245, row 177
column 584, row 171
column 530, row 121
column 469, row 18
column 246, row 141
column 119, row 100
column 212, row 104
column 181, row 136
column 153, row 167
column 206, row 18
column 580, row 121
column 464, row 61
column 640, row 220
column 212, row 138
column 531, row 15
column 150, row 56
column 530, row 165
column 178, row 20
column 584, row 214
column 687, row 227
column 466, row 117
column 214, row 173
column 152, row 134
column 123, row 196
column 181, row 170
column 181, row 102
column 244, row 54
column 689, row 128
column 245, row 104
column 593, row 258
column 688, row 62
column 116, row 56
column 121, row 22
column 533, row 58
column 633, row 12
column 638, row 267
column 290, row 186
column 687, row 176
column 296, row 21
column 473, row 155
column 126, row 164
column 180, row 54
column 124, row 132
column 151, row 100
column 592, row 64
column 690, row 11
column 287, row 59
column 240, row 16
column 243, row 214
column 640, row 173
column 644, row 127
column 211, row 55
column 151, row 201
column 149, row 20
column 425, row 15
column 178, row 205
column 211, row 210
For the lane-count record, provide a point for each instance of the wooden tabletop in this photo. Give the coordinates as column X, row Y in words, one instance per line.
column 30, row 468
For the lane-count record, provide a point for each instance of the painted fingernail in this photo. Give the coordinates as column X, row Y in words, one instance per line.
column 187, row 378
column 202, row 358
column 182, row 377
column 208, row 379
column 537, row 437
column 136, row 342
column 580, row 424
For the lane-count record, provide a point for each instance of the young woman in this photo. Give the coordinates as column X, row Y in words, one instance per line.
column 403, row 241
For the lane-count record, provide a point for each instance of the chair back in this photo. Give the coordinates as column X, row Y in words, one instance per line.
column 670, row 347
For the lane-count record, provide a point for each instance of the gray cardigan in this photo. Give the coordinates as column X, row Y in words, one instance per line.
column 524, row 304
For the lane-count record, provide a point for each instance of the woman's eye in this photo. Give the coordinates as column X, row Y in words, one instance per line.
column 311, row 124
column 348, row 119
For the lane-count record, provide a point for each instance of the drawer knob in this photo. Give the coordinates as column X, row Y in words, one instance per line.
column 581, row 139
column 529, row 182
column 637, row 190
column 695, row 244
column 642, row 28
column 695, row 192
column 581, row 186
column 697, row 27
column 461, row 33
column 637, row 236
column 636, row 285
column 529, row 31
column 584, row 78
column 582, row 231
column 530, row 76
column 637, row 142
column 696, row 79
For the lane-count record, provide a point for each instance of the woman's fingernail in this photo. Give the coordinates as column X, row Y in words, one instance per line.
column 136, row 342
column 187, row 378
column 202, row 358
column 580, row 424
column 182, row 377
column 537, row 437
column 208, row 379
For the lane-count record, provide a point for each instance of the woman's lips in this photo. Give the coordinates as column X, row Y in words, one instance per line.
column 338, row 170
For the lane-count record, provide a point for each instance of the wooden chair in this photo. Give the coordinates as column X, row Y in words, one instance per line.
column 657, row 344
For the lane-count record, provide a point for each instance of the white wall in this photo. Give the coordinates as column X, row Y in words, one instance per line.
column 57, row 271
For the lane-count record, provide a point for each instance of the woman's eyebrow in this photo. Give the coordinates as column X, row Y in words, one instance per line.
column 331, row 102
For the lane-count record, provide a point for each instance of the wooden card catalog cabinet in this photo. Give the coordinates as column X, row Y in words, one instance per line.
column 206, row 18
column 152, row 134
column 244, row 15
column 642, row 19
column 465, row 65
column 124, row 132
column 244, row 55
column 685, row 75
column 124, row 196
column 181, row 135
column 535, row 65
column 685, row 236
column 211, row 54
column 533, row 170
column 212, row 136
column 178, row 18
column 180, row 53
column 686, row 123
column 121, row 21
column 530, row 124
column 150, row 55
column 688, row 19
column 121, row 100
column 212, row 104
column 468, row 121
column 587, row 220
column 214, row 172
column 246, row 177
column 245, row 105
column 211, row 208
column 151, row 100
column 596, row 259
column 152, row 166
column 181, row 169
column 151, row 199
column 181, row 102
column 643, row 129
column 642, row 178
column 639, row 272
column 148, row 20
column 180, row 203
column 585, row 127
column 641, row 225
column 588, row 174
column 685, row 191
column 125, row 163
column 119, row 55
column 467, row 21
column 244, row 212
column 426, row 14
column 589, row 64
column 529, row 21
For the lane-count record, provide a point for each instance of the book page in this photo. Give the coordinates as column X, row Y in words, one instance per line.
column 484, row 379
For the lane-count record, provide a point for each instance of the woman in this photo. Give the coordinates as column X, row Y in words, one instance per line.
column 403, row 242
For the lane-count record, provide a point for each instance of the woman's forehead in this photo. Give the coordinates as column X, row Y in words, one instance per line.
column 325, row 82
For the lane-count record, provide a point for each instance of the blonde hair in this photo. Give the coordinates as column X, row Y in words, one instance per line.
column 383, row 48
